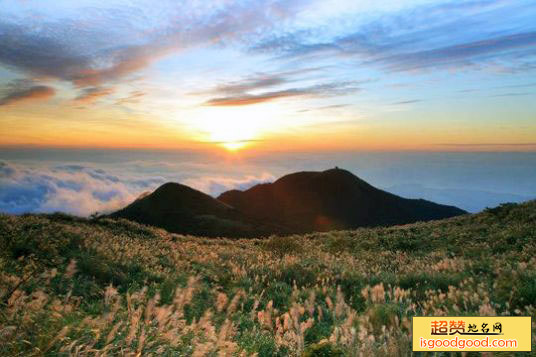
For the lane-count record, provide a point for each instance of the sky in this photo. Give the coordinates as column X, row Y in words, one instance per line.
column 101, row 101
column 264, row 75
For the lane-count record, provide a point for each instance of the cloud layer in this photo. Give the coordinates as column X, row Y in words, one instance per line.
column 446, row 34
column 32, row 93
column 103, row 44
column 71, row 188
column 83, row 190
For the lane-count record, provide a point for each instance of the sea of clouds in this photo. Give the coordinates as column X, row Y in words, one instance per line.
column 85, row 182
column 75, row 189
column 83, row 190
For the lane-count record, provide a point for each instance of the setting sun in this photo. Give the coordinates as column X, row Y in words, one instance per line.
column 231, row 128
column 234, row 145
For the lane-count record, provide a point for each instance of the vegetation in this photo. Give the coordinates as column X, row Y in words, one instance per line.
column 108, row 287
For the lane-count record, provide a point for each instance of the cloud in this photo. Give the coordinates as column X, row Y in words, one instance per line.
column 73, row 189
column 133, row 97
column 407, row 102
column 56, row 51
column 325, row 107
column 468, row 53
column 448, row 35
column 215, row 185
column 251, row 84
column 511, row 94
column 261, row 81
column 329, row 89
column 91, row 94
column 106, row 44
column 32, row 93
column 248, row 99
column 82, row 190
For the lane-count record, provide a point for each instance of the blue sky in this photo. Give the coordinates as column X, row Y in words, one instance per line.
column 430, row 75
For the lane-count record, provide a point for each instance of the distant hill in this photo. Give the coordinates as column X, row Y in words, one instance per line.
column 296, row 203
column 181, row 209
column 328, row 200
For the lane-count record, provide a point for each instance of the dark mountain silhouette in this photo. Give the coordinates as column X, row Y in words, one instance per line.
column 181, row 209
column 296, row 203
column 332, row 199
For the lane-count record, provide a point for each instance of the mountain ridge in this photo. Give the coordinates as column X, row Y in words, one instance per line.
column 181, row 209
column 331, row 199
column 299, row 202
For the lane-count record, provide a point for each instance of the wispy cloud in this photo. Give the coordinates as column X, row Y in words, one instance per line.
column 120, row 40
column 33, row 93
column 264, row 80
column 468, row 53
column 439, row 35
column 328, row 89
column 251, row 84
column 91, row 94
column 248, row 99
column 133, row 97
column 325, row 107
column 512, row 94
column 411, row 101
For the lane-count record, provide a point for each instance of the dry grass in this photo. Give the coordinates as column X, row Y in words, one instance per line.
column 84, row 287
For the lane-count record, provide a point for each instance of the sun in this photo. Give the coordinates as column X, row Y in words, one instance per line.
column 232, row 133
column 231, row 128
column 234, row 145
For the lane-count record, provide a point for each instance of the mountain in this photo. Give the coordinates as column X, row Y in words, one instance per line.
column 328, row 200
column 181, row 209
column 297, row 203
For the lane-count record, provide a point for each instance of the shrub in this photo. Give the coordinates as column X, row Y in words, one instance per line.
column 324, row 349
column 282, row 245
column 297, row 274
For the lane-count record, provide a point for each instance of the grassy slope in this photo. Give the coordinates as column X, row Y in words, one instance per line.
column 75, row 285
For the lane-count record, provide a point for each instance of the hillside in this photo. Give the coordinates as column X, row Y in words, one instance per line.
column 88, row 287
column 302, row 202
column 331, row 199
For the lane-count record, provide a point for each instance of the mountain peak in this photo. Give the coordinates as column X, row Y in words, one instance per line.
column 181, row 209
column 331, row 199
column 299, row 202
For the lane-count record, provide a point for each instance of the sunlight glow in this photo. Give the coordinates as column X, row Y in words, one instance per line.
column 234, row 146
column 232, row 128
